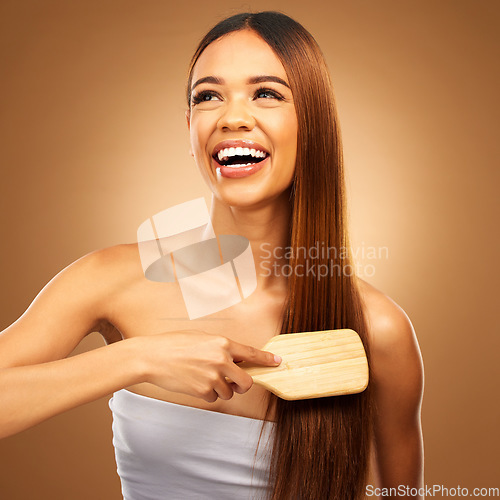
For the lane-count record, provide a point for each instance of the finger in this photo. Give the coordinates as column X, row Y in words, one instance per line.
column 224, row 389
column 236, row 388
column 242, row 352
column 239, row 379
column 210, row 396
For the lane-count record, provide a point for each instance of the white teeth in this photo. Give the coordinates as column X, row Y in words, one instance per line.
column 227, row 152
column 239, row 165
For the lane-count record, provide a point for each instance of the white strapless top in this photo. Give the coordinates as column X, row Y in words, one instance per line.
column 166, row 451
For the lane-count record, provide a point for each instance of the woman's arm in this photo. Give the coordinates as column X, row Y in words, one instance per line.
column 397, row 384
column 31, row 394
column 37, row 381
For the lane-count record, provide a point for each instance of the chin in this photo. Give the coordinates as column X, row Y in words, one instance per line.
column 247, row 198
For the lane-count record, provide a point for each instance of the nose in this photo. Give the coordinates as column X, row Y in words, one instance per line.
column 236, row 116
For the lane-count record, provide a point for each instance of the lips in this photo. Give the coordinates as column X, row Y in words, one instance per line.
column 237, row 158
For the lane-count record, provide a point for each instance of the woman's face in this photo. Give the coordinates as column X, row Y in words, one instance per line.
column 242, row 120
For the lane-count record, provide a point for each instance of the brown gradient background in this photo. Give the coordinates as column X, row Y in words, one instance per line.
column 94, row 141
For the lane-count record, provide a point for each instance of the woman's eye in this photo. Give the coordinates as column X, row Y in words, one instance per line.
column 205, row 96
column 268, row 93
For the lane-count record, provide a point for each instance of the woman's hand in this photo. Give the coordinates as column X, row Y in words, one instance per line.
column 196, row 363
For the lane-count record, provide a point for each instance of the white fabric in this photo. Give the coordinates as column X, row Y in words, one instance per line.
column 168, row 451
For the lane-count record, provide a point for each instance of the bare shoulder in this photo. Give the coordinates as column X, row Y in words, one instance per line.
column 388, row 324
column 114, row 264
column 396, row 365
column 97, row 275
column 106, row 274
column 91, row 278
column 71, row 305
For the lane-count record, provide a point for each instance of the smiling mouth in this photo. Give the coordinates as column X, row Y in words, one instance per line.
column 239, row 157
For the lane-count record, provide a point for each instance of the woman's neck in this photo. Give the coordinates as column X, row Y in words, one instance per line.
column 267, row 229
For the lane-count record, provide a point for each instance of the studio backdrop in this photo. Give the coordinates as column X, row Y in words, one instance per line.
column 93, row 141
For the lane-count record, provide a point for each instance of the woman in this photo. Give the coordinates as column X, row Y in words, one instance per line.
column 256, row 81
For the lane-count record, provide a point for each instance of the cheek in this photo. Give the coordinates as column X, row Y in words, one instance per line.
column 284, row 136
column 281, row 129
column 286, row 129
column 198, row 136
column 288, row 136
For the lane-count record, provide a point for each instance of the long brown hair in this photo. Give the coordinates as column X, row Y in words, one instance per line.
column 321, row 445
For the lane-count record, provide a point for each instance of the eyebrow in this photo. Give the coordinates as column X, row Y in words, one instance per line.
column 252, row 80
